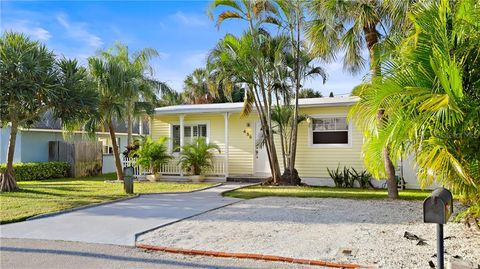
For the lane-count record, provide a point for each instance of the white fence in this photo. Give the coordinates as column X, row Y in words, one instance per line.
column 137, row 169
column 173, row 167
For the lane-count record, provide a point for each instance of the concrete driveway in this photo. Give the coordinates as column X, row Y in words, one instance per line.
column 119, row 222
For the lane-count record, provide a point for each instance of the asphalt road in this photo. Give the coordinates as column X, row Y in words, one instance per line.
column 46, row 254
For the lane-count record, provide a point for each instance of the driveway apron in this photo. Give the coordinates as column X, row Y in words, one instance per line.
column 119, row 222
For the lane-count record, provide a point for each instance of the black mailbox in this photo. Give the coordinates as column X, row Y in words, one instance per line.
column 438, row 207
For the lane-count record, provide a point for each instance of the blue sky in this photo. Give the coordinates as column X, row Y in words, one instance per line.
column 179, row 30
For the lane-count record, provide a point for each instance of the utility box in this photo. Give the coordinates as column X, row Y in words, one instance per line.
column 128, row 179
column 438, row 207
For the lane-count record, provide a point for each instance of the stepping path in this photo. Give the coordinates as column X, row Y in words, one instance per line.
column 120, row 222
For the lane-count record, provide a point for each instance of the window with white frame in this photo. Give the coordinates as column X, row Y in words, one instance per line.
column 107, row 144
column 329, row 131
column 191, row 131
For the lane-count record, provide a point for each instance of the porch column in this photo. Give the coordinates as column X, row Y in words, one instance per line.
column 140, row 125
column 182, row 137
column 226, row 143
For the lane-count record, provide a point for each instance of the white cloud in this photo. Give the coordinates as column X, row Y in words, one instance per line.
column 195, row 60
column 27, row 27
column 78, row 30
column 190, row 19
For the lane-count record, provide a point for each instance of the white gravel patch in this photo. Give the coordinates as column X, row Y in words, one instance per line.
column 313, row 228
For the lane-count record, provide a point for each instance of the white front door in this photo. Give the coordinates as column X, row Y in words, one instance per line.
column 261, row 164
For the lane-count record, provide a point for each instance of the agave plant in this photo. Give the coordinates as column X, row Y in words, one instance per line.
column 337, row 176
column 198, row 156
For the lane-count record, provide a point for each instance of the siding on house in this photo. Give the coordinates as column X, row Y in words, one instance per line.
column 32, row 145
column 311, row 161
column 240, row 145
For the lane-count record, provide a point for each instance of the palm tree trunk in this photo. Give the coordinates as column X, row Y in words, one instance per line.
column 8, row 182
column 293, row 175
column 371, row 37
column 116, row 154
column 129, row 128
column 281, row 133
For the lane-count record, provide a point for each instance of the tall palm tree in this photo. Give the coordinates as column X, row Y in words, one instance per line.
column 253, row 68
column 429, row 91
column 109, row 78
column 350, row 26
column 141, row 90
column 34, row 82
column 247, row 61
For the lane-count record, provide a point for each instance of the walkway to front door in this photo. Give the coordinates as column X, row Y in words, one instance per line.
column 119, row 223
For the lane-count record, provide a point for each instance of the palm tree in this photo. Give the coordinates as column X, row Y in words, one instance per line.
column 170, row 97
column 245, row 61
column 349, row 26
column 429, row 91
column 109, row 77
column 196, row 89
column 141, row 89
column 34, row 82
column 197, row 156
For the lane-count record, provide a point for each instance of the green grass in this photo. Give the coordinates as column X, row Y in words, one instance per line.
column 322, row 192
column 45, row 196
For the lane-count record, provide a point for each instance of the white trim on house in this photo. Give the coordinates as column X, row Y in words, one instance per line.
column 310, row 132
column 237, row 107
column 185, row 123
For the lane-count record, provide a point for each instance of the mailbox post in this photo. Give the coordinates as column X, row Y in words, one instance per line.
column 128, row 179
column 437, row 208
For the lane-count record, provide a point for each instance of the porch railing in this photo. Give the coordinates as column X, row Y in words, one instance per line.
column 173, row 168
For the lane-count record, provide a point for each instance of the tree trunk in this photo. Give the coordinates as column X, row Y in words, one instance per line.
column 290, row 173
column 371, row 37
column 116, row 154
column 129, row 128
column 390, row 171
column 8, row 182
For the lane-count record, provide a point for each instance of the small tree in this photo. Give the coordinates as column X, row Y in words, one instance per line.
column 109, row 77
column 153, row 154
column 197, row 156
column 34, row 82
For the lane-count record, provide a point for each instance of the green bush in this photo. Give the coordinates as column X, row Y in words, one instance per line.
column 38, row 171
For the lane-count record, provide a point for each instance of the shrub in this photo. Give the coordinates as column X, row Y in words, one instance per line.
column 153, row 154
column 198, row 156
column 337, row 176
column 362, row 178
column 348, row 176
column 38, row 171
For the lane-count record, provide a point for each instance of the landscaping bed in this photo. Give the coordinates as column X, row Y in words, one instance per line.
column 322, row 229
column 51, row 195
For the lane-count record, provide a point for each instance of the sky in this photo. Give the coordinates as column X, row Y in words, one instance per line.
column 180, row 31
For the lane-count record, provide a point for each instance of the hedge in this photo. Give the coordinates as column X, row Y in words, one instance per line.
column 38, row 171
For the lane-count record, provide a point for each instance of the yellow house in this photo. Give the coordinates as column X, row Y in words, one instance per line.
column 326, row 140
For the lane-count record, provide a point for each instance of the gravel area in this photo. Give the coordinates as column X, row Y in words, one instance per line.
column 327, row 229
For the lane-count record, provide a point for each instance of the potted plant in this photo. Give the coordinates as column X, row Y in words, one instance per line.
column 153, row 154
column 197, row 157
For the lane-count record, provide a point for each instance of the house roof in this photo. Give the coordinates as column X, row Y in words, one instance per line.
column 48, row 122
column 237, row 107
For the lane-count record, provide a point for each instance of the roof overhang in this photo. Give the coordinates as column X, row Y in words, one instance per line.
column 237, row 107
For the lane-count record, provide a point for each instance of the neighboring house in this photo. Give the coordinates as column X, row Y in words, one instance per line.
column 32, row 143
column 327, row 139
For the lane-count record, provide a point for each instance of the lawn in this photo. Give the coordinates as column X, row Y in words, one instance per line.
column 322, row 192
column 38, row 197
